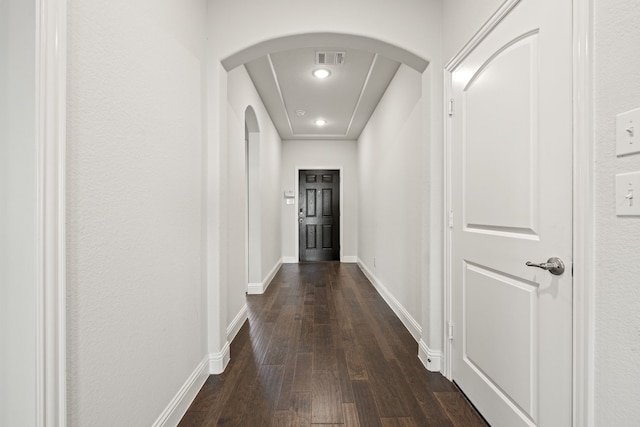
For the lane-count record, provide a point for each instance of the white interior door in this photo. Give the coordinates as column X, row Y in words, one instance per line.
column 511, row 196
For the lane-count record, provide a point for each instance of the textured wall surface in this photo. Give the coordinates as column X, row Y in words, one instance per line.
column 390, row 202
column 241, row 94
column 18, row 278
column 462, row 19
column 399, row 22
column 136, row 315
column 617, row 322
column 313, row 155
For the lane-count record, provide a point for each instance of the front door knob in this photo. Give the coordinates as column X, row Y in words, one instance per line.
column 553, row 265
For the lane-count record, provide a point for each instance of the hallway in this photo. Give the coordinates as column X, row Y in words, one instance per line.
column 321, row 347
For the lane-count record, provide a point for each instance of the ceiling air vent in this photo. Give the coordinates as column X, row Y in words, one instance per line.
column 330, row 58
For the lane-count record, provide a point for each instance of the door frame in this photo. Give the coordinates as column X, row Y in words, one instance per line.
column 297, row 197
column 50, row 104
column 583, row 202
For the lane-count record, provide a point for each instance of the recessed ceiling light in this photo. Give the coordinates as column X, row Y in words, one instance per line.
column 300, row 113
column 320, row 122
column 321, row 73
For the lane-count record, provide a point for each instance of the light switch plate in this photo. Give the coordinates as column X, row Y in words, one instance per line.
column 628, row 132
column 628, row 194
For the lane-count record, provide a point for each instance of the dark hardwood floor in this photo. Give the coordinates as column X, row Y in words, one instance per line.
column 322, row 348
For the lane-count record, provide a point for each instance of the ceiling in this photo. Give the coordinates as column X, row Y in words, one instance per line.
column 346, row 99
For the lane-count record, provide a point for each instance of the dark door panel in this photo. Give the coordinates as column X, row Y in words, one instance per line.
column 319, row 215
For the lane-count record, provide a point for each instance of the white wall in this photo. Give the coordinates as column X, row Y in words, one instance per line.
column 402, row 22
column 462, row 19
column 240, row 94
column 411, row 24
column 317, row 155
column 390, row 181
column 136, row 314
column 617, row 298
column 17, row 213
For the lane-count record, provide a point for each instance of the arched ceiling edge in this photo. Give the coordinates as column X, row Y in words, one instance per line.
column 307, row 40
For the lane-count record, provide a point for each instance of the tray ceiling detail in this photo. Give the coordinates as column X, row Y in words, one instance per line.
column 346, row 99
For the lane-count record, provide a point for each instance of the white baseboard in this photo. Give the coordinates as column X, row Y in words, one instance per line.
column 290, row 260
column 350, row 259
column 236, row 323
column 178, row 406
column 261, row 288
column 409, row 322
column 431, row 359
column 219, row 361
column 255, row 289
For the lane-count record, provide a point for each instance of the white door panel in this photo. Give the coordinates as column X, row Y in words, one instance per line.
column 511, row 194
column 507, row 84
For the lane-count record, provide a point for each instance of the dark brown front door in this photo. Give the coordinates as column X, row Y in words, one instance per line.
column 319, row 215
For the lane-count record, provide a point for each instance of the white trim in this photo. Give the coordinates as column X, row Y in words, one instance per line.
column 483, row 32
column 349, row 259
column 407, row 320
column 447, row 309
column 51, row 51
column 178, row 406
column 297, row 193
column 261, row 288
column 362, row 91
column 255, row 289
column 251, row 263
column 431, row 359
column 289, row 260
column 274, row 75
column 236, row 323
column 219, row 361
column 583, row 216
column 314, row 39
column 267, row 281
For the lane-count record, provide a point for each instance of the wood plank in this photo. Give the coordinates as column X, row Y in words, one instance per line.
column 350, row 413
column 325, row 393
column 343, row 377
column 459, row 411
column 282, row 419
column 301, row 410
column 398, row 422
column 277, row 351
column 193, row 419
column 305, row 340
column 302, row 377
column 324, row 349
column 355, row 362
column 365, row 404
column 286, row 391
column 383, row 385
column 321, row 345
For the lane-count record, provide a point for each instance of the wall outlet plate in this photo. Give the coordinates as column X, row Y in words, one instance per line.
column 628, row 132
column 628, row 194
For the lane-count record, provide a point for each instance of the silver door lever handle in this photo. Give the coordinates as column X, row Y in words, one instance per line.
column 553, row 265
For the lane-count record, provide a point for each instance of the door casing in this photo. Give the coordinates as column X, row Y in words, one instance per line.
column 583, row 202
